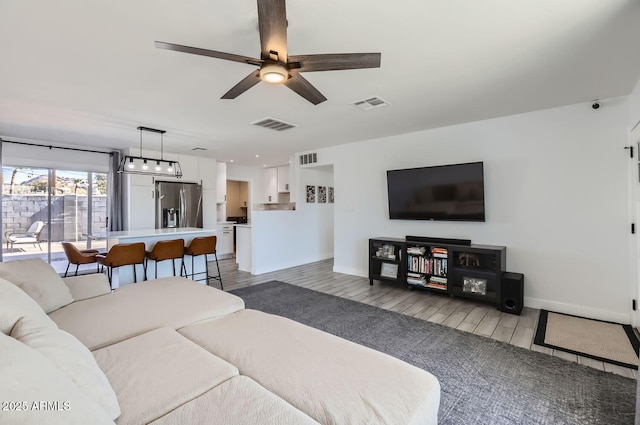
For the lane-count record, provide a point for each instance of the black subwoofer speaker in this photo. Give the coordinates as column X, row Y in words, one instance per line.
column 511, row 293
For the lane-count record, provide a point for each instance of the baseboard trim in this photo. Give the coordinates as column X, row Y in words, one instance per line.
column 282, row 266
column 577, row 310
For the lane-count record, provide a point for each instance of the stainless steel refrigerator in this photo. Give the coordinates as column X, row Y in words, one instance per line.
column 178, row 204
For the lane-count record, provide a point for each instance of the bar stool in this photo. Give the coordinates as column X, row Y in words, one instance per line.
column 77, row 256
column 204, row 245
column 124, row 254
column 166, row 250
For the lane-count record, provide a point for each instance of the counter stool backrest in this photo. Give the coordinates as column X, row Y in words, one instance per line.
column 167, row 250
column 125, row 254
column 170, row 249
column 77, row 256
column 202, row 245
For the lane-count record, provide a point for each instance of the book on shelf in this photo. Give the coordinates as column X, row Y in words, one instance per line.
column 439, row 252
column 436, row 285
column 418, row 282
column 438, row 279
column 436, row 266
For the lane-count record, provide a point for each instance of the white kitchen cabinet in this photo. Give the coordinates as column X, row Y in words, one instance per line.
column 207, row 172
column 221, row 182
column 271, row 185
column 139, row 180
column 283, row 179
column 209, row 210
column 142, row 207
column 224, row 248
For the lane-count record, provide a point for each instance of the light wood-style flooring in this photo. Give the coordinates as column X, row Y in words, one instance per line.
column 465, row 315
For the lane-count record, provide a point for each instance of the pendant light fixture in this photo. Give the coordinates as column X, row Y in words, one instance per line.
column 150, row 166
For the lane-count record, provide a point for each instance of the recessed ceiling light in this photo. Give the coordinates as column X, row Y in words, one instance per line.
column 257, row 156
column 231, row 160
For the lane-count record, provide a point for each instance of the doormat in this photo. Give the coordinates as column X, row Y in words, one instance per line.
column 604, row 341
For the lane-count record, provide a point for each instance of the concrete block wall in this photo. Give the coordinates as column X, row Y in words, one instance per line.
column 68, row 214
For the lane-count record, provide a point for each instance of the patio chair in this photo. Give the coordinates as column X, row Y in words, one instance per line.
column 32, row 235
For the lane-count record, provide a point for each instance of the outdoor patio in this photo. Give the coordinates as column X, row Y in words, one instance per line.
column 58, row 258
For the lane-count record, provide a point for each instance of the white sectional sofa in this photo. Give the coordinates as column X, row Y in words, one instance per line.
column 172, row 351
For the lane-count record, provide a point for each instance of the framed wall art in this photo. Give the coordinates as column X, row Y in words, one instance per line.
column 311, row 194
column 322, row 194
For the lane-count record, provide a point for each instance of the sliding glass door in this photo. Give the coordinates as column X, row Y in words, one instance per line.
column 43, row 207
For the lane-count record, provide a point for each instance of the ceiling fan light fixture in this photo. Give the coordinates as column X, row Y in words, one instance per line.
column 273, row 73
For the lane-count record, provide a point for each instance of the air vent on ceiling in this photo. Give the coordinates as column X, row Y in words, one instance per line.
column 308, row 158
column 371, row 103
column 274, row 124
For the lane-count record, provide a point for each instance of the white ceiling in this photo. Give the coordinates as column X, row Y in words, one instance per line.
column 86, row 72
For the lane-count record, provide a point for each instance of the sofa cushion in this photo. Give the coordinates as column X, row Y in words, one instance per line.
column 331, row 379
column 39, row 280
column 73, row 359
column 158, row 371
column 15, row 304
column 138, row 308
column 87, row 286
column 239, row 400
column 37, row 392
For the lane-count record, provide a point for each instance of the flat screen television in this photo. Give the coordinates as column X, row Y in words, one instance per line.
column 445, row 192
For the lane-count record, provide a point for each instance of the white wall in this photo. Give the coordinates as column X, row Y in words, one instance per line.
column 634, row 196
column 319, row 217
column 283, row 239
column 634, row 108
column 555, row 194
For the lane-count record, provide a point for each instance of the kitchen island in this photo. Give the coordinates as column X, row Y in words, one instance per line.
column 124, row 275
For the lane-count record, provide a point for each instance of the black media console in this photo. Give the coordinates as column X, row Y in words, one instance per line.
column 452, row 266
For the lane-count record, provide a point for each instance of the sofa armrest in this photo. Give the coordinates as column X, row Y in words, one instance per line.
column 87, row 286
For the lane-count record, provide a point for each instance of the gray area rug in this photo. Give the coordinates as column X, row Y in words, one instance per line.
column 483, row 381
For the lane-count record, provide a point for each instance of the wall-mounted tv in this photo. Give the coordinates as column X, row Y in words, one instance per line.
column 445, row 192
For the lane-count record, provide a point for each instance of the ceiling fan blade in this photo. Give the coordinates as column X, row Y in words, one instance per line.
column 334, row 61
column 210, row 53
column 304, row 88
column 245, row 84
column 272, row 24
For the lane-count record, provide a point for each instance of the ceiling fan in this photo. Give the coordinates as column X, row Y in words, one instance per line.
column 275, row 64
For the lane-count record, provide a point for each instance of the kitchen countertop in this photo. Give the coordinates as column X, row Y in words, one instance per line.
column 247, row 225
column 156, row 232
